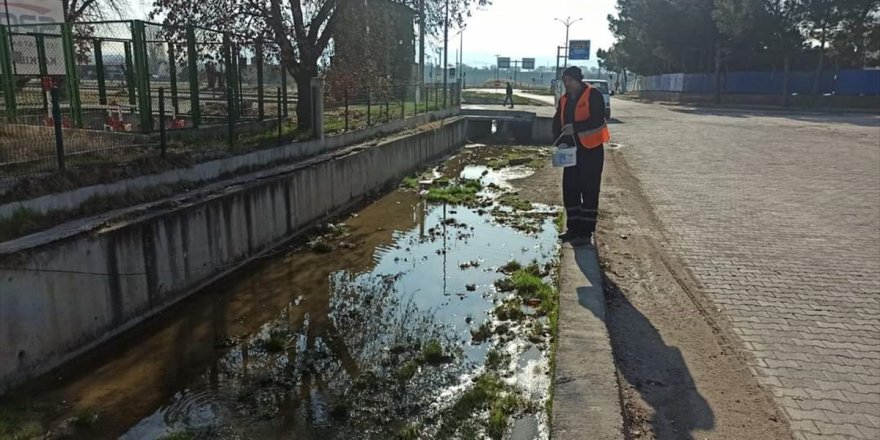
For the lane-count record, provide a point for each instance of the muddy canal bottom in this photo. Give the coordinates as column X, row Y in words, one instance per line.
column 427, row 314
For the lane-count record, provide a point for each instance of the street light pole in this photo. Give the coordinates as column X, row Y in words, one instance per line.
column 445, row 54
column 567, row 22
column 461, row 56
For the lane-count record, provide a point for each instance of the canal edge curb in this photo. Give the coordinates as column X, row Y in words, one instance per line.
column 586, row 397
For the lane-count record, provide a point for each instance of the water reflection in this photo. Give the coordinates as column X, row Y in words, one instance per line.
column 321, row 345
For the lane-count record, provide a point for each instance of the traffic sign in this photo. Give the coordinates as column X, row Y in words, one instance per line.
column 504, row 62
column 528, row 63
column 579, row 50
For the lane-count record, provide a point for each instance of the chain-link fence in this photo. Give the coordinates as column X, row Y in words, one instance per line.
column 361, row 107
column 112, row 92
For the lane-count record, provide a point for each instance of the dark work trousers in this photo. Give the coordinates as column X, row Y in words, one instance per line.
column 508, row 99
column 580, row 190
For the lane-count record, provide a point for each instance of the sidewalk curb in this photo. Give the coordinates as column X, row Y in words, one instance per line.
column 586, row 398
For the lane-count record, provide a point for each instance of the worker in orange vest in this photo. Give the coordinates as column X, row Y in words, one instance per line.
column 580, row 119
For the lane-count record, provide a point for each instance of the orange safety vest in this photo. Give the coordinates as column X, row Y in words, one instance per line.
column 591, row 138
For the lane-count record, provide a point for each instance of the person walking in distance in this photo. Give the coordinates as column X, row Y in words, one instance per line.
column 509, row 97
column 580, row 119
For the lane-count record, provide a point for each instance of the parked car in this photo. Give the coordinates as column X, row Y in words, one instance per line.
column 602, row 85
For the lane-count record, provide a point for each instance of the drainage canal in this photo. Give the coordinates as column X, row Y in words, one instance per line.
column 427, row 314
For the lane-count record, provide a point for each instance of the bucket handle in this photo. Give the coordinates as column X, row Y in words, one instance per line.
column 562, row 136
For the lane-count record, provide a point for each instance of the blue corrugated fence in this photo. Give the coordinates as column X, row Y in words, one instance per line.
column 844, row 82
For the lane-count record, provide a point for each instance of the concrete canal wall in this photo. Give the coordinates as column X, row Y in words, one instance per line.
column 64, row 293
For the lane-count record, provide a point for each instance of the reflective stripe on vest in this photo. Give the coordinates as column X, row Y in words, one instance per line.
column 591, row 138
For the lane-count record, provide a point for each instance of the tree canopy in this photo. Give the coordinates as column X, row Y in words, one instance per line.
column 665, row 36
column 301, row 29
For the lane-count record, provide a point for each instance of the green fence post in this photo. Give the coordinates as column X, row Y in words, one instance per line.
column 99, row 71
column 40, row 41
column 172, row 71
column 259, row 61
column 192, row 62
column 72, row 77
column 142, row 75
column 6, row 72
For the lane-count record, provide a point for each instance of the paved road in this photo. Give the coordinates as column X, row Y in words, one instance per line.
column 778, row 218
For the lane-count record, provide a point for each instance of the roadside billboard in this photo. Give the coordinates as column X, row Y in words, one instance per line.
column 504, row 62
column 31, row 11
column 31, row 14
column 528, row 63
column 579, row 50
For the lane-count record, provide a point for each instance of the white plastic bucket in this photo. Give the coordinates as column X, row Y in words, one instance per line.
column 565, row 156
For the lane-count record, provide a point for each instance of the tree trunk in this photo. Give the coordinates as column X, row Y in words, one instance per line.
column 785, row 77
column 819, row 65
column 718, row 72
column 304, row 95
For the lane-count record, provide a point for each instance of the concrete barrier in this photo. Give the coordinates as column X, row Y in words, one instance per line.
column 63, row 294
column 868, row 103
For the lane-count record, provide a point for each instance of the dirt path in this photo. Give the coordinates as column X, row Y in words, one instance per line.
column 680, row 372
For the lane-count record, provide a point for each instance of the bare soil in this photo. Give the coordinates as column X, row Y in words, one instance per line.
column 681, row 373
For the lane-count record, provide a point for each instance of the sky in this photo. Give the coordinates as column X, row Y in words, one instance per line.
column 525, row 28
column 517, row 29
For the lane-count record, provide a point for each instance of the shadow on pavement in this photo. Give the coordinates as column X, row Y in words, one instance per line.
column 614, row 121
column 863, row 120
column 656, row 370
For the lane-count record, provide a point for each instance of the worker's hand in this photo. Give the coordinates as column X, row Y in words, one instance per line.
column 568, row 129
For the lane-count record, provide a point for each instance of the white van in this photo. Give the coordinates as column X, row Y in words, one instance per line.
column 602, row 85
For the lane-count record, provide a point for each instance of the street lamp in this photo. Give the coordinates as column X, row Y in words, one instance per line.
column 567, row 22
column 460, row 51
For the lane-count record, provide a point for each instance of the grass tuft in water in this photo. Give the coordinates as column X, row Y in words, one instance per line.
column 560, row 221
column 408, row 370
column 408, row 432
column 462, row 193
column 481, row 334
column 509, row 310
column 84, row 420
column 277, row 341
column 487, row 393
column 496, row 359
column 511, row 267
column 15, row 423
column 410, row 182
column 516, row 203
column 503, row 407
column 432, row 353
column 536, row 333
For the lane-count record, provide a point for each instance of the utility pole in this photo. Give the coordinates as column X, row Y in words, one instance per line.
column 421, row 79
column 496, row 68
column 445, row 54
column 567, row 22
column 515, row 65
column 461, row 56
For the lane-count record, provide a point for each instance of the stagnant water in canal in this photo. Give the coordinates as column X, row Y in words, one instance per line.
column 366, row 332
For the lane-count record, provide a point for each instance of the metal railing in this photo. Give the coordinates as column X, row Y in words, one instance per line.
column 116, row 92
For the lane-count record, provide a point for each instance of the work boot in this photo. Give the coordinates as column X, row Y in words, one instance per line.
column 569, row 235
